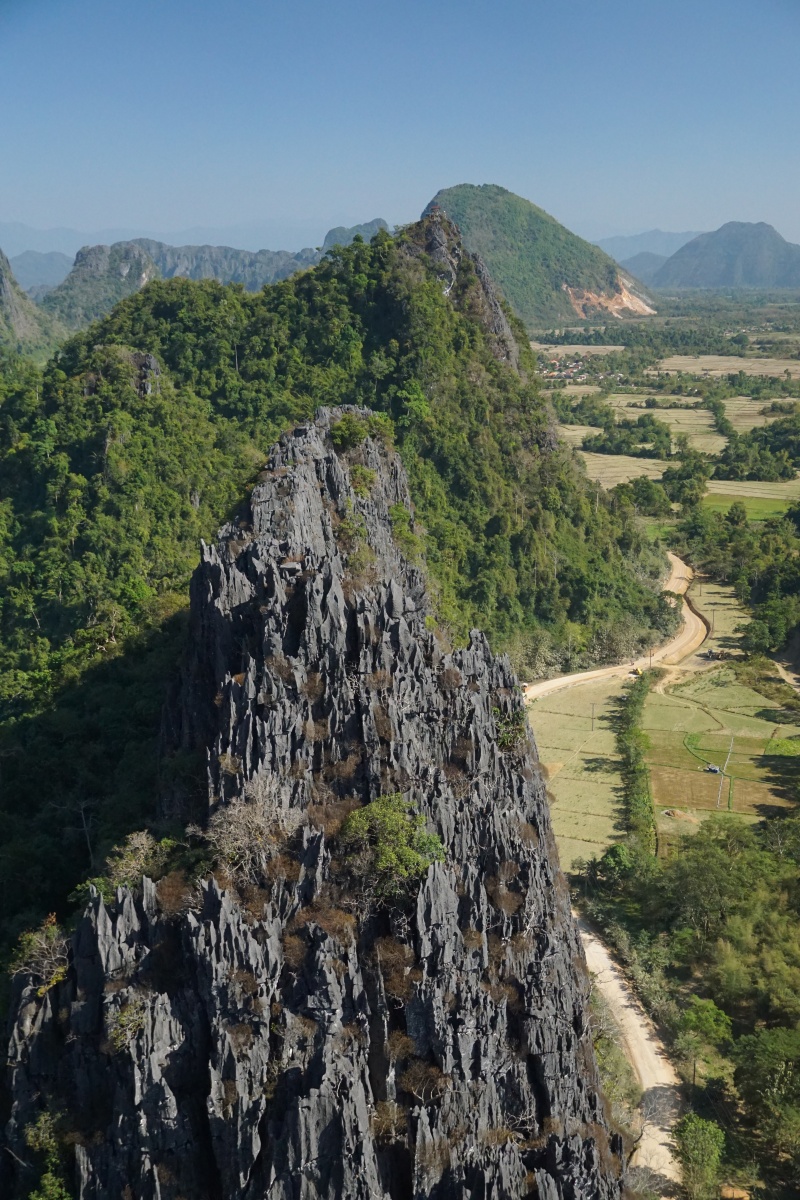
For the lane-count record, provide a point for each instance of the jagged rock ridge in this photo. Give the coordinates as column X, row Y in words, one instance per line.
column 289, row 1038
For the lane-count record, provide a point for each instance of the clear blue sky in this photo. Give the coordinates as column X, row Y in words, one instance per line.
column 614, row 115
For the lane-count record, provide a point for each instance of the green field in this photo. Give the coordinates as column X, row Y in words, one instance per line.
column 581, row 767
column 611, row 469
column 712, row 719
column 759, row 508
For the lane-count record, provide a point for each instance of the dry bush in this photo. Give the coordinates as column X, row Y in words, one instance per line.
column 473, row 938
column 244, row 835
column 240, row 678
column 281, row 667
column 345, row 768
column 434, row 1156
column 504, row 992
column 294, row 951
column 461, row 750
column 44, row 953
column 313, row 687
column 450, row 679
column 282, row 866
column 230, row 764
column 229, row 1093
column 246, row 981
column 241, row 1036
column 330, row 816
column 389, row 1122
column 509, row 902
column 521, row 943
column 316, row 731
column 335, row 921
column 497, row 950
column 378, row 679
column 383, row 722
column 528, row 834
column 395, row 959
column 458, row 781
column 254, row 900
column 400, row 1046
column 499, row 1136
column 175, row 893
column 508, row 870
column 424, row 1081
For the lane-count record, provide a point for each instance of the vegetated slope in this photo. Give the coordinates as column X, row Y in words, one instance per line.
column 23, row 327
column 739, row 254
column 545, row 272
column 142, row 434
column 644, row 265
column 33, row 269
column 103, row 275
column 378, row 859
column 654, row 241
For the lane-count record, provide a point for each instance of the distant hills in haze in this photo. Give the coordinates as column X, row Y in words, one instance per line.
column 654, row 241
column 546, row 273
column 738, row 255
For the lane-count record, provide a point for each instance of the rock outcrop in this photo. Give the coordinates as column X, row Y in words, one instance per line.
column 281, row 1030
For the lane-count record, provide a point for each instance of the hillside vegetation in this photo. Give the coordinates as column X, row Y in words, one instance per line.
column 529, row 254
column 139, row 438
column 23, row 327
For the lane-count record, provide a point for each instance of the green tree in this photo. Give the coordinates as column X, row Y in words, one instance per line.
column 386, row 844
column 699, row 1145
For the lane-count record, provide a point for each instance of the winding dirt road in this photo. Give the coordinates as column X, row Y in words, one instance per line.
column 691, row 635
column 643, row 1047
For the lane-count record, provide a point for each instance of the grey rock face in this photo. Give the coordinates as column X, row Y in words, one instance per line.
column 285, row 1036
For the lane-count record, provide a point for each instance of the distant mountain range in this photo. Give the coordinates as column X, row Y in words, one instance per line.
column 545, row 272
column 34, row 269
column 103, row 275
column 644, row 266
column 654, row 241
column 738, row 255
column 23, row 326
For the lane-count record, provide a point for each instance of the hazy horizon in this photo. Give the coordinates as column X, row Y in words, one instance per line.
column 283, row 121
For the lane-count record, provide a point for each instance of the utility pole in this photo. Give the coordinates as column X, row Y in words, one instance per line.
column 713, row 618
column 593, row 716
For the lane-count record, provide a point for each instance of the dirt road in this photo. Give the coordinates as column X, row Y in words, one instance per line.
column 691, row 635
column 643, row 1048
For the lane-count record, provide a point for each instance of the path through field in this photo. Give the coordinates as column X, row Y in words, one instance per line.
column 659, row 1082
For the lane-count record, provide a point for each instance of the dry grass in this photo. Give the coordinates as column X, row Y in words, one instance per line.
column 396, row 960
column 389, row 1122
column 611, row 469
column 330, row 815
column 717, row 365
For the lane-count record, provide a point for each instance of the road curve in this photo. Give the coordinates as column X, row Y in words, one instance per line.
column 644, row 1051
column 690, row 636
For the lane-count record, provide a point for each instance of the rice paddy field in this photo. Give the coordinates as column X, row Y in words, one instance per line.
column 724, row 364
column 581, row 766
column 696, row 423
column 744, row 413
column 611, row 469
column 561, row 352
column 701, row 716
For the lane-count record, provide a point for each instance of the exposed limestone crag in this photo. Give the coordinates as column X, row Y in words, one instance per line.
column 292, row 1040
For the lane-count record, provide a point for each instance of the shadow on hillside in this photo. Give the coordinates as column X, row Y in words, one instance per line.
column 79, row 776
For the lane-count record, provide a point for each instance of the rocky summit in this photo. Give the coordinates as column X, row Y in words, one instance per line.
column 323, row 1010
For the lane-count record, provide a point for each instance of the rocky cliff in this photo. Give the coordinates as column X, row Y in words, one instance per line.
column 22, row 326
column 288, row 1026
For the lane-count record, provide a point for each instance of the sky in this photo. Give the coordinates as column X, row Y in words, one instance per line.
column 277, row 119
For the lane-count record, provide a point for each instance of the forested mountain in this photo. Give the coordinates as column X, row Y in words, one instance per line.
column 102, row 275
column 738, row 255
column 644, row 265
column 141, row 436
column 547, row 273
column 22, row 326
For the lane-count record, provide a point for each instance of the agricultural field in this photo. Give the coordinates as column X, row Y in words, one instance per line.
column 611, row 469
column 561, row 352
column 581, row 766
column 713, row 720
column 696, row 423
column 745, row 414
column 769, row 498
column 574, row 434
column 729, row 364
